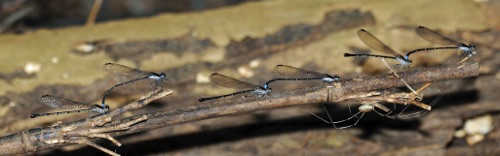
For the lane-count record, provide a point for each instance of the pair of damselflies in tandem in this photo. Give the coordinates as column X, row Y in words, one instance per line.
column 425, row 33
column 291, row 74
column 113, row 68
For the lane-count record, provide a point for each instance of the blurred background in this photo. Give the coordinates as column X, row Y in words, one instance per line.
column 58, row 47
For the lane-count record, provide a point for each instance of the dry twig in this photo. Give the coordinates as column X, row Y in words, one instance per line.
column 78, row 132
column 93, row 13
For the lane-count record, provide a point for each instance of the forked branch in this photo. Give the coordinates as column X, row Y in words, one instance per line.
column 78, row 132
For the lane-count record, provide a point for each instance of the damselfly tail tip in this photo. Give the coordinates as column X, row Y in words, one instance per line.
column 106, row 108
column 348, row 54
column 202, row 99
column 335, row 77
column 163, row 75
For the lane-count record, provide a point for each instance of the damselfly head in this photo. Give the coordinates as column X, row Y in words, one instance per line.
column 408, row 62
column 106, row 108
column 264, row 90
column 467, row 50
column 269, row 90
column 472, row 46
column 472, row 50
column 404, row 60
column 330, row 78
column 261, row 91
column 100, row 109
column 163, row 75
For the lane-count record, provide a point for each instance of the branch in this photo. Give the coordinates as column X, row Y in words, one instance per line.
column 340, row 91
column 337, row 92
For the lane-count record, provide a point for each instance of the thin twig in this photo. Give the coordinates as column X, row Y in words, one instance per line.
column 93, row 13
column 154, row 95
column 396, row 74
